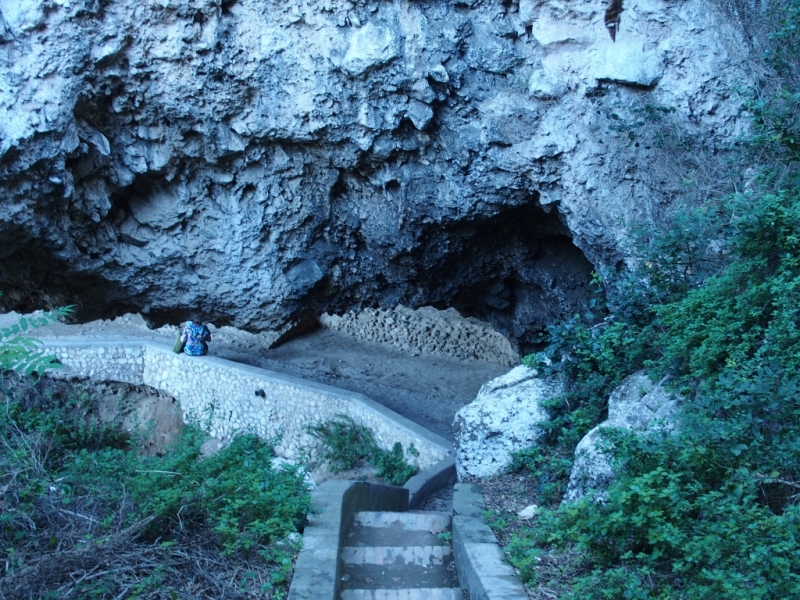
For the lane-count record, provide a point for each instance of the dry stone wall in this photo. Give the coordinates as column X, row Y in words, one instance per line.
column 229, row 398
column 427, row 331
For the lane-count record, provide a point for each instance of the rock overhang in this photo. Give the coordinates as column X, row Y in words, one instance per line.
column 170, row 175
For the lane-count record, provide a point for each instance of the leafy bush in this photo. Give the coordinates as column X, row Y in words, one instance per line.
column 22, row 353
column 346, row 444
column 76, row 495
column 392, row 465
column 711, row 511
column 748, row 313
column 675, row 524
column 594, row 356
column 548, row 466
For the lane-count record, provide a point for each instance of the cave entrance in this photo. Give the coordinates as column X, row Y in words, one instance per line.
column 518, row 270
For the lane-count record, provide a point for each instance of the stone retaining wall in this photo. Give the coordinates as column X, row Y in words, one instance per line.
column 481, row 565
column 427, row 331
column 228, row 398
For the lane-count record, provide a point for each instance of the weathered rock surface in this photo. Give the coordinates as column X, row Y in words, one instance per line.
column 503, row 418
column 637, row 405
column 257, row 160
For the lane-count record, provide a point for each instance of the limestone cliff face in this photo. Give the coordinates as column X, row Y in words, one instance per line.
column 259, row 159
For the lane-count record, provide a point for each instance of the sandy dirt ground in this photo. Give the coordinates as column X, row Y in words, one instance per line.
column 427, row 389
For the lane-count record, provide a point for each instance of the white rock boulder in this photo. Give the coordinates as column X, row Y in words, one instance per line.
column 544, row 85
column 637, row 405
column 504, row 418
column 627, row 62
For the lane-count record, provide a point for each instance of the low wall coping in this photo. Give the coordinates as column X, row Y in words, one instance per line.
column 480, row 563
column 430, row 480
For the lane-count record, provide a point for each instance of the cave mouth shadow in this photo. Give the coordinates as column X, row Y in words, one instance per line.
column 32, row 279
column 518, row 270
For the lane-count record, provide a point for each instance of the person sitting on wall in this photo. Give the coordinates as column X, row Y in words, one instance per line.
column 195, row 336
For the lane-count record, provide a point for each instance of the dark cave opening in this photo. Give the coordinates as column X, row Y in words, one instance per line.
column 518, row 270
column 34, row 278
column 515, row 267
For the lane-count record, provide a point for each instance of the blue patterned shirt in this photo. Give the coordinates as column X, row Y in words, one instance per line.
column 196, row 335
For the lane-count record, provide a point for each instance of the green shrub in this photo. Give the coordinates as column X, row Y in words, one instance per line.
column 710, row 510
column 594, row 352
column 749, row 311
column 548, row 466
column 74, row 490
column 22, row 353
column 675, row 525
column 346, row 444
column 392, row 465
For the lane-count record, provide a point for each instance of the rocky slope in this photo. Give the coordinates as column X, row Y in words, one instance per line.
column 261, row 160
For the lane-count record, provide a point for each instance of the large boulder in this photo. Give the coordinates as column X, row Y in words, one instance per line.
column 504, row 418
column 636, row 405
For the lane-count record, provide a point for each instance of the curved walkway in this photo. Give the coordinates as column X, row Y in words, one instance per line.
column 427, row 389
column 229, row 397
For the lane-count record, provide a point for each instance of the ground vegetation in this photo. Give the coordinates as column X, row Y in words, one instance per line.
column 347, row 445
column 86, row 515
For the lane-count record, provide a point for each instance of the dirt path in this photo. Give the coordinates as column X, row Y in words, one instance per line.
column 427, row 389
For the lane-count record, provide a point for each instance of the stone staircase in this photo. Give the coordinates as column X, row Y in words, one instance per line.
column 366, row 541
column 398, row 556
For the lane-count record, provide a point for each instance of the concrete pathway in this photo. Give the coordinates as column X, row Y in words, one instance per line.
column 427, row 389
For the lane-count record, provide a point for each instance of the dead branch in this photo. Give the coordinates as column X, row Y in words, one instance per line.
column 767, row 479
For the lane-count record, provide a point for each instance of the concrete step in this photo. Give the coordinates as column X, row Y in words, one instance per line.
column 373, row 577
column 405, row 594
column 406, row 521
column 399, row 555
column 395, row 555
column 398, row 529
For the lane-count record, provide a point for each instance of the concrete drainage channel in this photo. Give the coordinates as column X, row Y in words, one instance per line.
column 368, row 542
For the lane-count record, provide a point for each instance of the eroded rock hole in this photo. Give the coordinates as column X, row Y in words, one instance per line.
column 516, row 271
column 144, row 418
